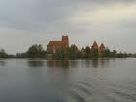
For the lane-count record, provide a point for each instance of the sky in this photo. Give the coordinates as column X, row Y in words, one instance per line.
column 27, row 22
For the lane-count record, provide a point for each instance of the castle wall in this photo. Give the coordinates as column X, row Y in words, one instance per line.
column 54, row 45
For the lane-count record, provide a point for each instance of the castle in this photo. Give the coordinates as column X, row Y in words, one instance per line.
column 54, row 45
column 64, row 43
column 101, row 49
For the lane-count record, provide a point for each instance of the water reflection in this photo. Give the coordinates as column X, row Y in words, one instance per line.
column 35, row 63
column 58, row 63
column 100, row 63
column 2, row 62
column 99, row 80
column 95, row 63
column 74, row 63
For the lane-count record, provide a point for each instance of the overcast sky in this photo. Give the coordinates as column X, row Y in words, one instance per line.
column 26, row 22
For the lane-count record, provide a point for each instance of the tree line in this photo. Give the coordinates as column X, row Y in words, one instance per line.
column 72, row 52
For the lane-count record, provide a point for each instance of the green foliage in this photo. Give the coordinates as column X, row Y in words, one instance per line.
column 122, row 55
column 21, row 55
column 87, row 52
column 67, row 53
column 3, row 54
column 36, row 51
column 73, row 52
column 114, row 53
column 94, row 53
column 108, row 52
column 60, row 53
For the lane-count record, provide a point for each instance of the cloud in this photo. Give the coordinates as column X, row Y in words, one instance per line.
column 25, row 22
column 109, row 13
column 38, row 15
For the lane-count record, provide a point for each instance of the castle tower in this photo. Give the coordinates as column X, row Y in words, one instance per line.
column 102, row 47
column 65, row 40
column 101, row 50
column 95, row 45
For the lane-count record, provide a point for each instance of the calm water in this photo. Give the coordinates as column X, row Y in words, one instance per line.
column 107, row 80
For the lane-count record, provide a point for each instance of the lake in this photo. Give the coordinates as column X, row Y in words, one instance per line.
column 103, row 80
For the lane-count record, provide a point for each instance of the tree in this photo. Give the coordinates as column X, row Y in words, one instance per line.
column 60, row 53
column 87, row 52
column 107, row 52
column 122, row 55
column 36, row 51
column 94, row 53
column 114, row 53
column 3, row 54
column 73, row 52
column 82, row 53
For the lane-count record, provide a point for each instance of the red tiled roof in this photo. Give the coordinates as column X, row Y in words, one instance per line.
column 95, row 44
column 102, row 46
column 56, row 43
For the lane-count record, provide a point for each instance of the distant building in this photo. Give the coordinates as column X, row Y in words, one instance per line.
column 95, row 46
column 101, row 49
column 54, row 45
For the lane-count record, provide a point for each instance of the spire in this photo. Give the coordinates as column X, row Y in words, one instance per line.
column 95, row 45
column 102, row 45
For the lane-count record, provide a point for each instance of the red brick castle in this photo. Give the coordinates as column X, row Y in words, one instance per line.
column 101, row 49
column 54, row 45
column 64, row 43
